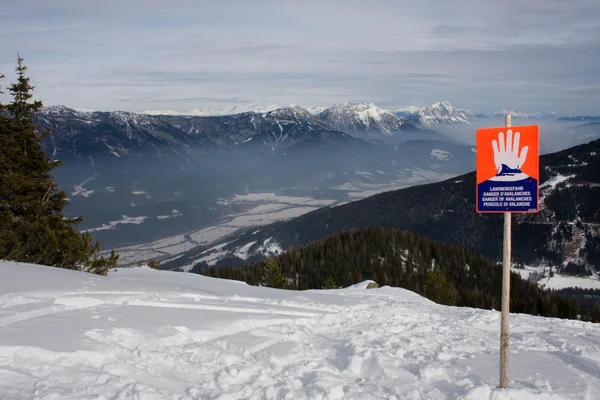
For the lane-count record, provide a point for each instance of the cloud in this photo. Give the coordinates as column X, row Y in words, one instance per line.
column 483, row 55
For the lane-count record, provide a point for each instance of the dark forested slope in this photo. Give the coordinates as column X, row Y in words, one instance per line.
column 565, row 233
column 443, row 273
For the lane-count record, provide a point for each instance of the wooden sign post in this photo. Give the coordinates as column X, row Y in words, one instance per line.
column 507, row 182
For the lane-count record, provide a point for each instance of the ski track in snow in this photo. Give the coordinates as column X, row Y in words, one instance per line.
column 145, row 334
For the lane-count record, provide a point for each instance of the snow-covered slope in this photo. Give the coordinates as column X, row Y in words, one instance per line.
column 146, row 334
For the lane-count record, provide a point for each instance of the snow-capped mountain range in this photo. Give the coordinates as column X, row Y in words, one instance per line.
column 438, row 113
column 121, row 133
column 365, row 112
column 84, row 133
column 237, row 109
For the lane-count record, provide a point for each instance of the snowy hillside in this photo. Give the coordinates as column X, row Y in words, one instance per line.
column 146, row 334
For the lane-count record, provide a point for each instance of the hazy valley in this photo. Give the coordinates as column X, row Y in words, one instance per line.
column 163, row 186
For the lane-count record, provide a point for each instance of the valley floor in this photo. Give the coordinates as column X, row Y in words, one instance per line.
column 260, row 209
column 146, row 334
column 263, row 208
column 558, row 281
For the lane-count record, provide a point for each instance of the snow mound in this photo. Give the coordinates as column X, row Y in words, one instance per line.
column 363, row 284
column 147, row 334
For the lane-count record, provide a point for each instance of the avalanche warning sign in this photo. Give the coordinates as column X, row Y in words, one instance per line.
column 508, row 169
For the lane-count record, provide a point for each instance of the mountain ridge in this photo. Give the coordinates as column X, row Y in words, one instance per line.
column 424, row 113
column 122, row 133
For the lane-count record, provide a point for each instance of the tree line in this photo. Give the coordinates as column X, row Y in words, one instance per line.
column 441, row 272
column 33, row 226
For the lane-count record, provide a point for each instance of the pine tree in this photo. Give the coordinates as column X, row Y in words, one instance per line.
column 438, row 289
column 152, row 263
column 1, row 92
column 329, row 283
column 273, row 275
column 33, row 227
column 21, row 109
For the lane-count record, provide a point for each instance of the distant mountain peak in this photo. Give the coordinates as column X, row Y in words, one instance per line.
column 364, row 113
column 530, row 115
column 163, row 112
column 364, row 108
column 367, row 121
column 441, row 112
column 61, row 110
column 293, row 110
column 443, row 104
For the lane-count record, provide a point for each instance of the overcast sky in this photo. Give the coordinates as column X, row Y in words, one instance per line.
column 138, row 55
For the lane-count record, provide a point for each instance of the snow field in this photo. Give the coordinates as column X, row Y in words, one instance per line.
column 146, row 334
